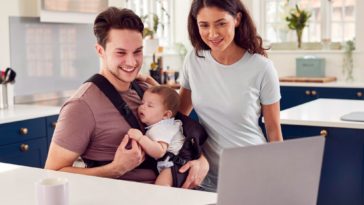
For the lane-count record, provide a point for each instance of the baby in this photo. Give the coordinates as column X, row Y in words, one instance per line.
column 164, row 133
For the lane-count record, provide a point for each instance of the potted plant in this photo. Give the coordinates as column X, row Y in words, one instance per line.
column 150, row 32
column 348, row 62
column 151, row 43
column 298, row 20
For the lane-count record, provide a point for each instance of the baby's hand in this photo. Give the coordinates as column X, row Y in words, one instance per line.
column 135, row 134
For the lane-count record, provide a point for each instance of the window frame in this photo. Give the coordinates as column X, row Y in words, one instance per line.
column 152, row 8
column 326, row 21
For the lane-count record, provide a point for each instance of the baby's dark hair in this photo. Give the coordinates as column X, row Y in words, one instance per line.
column 171, row 99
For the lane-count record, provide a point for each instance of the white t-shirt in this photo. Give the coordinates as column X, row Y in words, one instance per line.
column 168, row 131
column 227, row 100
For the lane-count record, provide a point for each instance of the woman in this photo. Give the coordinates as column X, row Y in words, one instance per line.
column 228, row 80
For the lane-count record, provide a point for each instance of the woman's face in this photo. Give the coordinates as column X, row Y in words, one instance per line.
column 217, row 27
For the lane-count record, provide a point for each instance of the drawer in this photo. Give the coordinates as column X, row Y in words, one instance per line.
column 22, row 130
column 28, row 153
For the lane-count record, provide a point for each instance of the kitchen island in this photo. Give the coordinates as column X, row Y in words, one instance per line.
column 342, row 174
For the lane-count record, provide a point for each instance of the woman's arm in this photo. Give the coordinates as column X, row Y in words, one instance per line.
column 272, row 122
column 198, row 168
column 148, row 79
column 186, row 101
column 153, row 148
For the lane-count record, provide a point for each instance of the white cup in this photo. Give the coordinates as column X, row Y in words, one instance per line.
column 52, row 191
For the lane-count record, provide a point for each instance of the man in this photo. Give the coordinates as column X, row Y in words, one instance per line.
column 91, row 127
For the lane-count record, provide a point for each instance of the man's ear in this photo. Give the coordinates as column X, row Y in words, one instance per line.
column 100, row 50
column 167, row 114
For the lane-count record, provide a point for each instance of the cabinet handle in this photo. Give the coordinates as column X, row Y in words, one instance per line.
column 24, row 147
column 307, row 92
column 54, row 124
column 23, row 131
column 313, row 93
column 323, row 133
column 359, row 94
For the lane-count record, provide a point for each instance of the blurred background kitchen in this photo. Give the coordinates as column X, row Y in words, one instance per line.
column 50, row 43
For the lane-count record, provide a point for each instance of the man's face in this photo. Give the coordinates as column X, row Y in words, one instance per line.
column 123, row 54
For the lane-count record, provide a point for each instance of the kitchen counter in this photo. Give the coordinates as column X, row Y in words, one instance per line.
column 336, row 84
column 24, row 112
column 18, row 187
column 324, row 113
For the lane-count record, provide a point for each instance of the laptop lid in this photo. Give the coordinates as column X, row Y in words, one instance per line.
column 277, row 173
column 353, row 116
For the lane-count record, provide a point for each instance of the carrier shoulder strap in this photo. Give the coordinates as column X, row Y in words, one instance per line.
column 113, row 95
column 137, row 89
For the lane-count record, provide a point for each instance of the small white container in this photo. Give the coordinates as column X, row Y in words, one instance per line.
column 6, row 95
column 3, row 96
column 52, row 191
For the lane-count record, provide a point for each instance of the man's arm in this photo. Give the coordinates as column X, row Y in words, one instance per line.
column 125, row 160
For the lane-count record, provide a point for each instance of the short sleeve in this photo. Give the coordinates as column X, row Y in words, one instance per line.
column 164, row 132
column 185, row 83
column 270, row 90
column 75, row 126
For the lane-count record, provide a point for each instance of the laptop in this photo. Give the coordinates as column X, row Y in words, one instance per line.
column 353, row 116
column 281, row 173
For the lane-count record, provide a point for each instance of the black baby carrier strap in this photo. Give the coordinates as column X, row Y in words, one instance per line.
column 195, row 134
column 113, row 95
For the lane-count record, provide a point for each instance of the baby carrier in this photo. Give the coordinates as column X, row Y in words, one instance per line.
column 195, row 134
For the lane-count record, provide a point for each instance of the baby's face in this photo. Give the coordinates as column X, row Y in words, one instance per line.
column 152, row 109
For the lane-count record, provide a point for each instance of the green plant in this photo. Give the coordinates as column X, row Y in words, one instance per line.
column 153, row 30
column 298, row 20
column 348, row 63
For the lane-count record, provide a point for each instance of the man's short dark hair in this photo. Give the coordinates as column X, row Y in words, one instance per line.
column 114, row 18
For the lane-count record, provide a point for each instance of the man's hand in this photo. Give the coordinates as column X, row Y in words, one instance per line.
column 127, row 159
column 135, row 134
column 198, row 171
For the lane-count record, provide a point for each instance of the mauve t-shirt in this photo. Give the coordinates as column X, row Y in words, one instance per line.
column 90, row 125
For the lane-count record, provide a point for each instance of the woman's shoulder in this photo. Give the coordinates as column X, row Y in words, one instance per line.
column 199, row 55
column 260, row 60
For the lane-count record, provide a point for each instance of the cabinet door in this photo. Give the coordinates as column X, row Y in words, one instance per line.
column 292, row 96
column 28, row 153
column 341, row 93
column 22, row 130
column 342, row 173
column 51, row 125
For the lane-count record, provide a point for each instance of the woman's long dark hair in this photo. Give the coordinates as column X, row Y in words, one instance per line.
column 245, row 33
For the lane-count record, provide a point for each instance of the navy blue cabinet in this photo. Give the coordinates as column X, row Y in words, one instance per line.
column 26, row 142
column 342, row 174
column 293, row 96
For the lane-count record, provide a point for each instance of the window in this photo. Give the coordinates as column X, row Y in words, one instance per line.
column 330, row 19
column 163, row 9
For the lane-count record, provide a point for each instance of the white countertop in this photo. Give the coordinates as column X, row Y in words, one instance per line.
column 323, row 112
column 18, row 187
column 25, row 112
column 337, row 84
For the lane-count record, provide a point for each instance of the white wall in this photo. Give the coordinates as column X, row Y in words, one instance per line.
column 284, row 61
